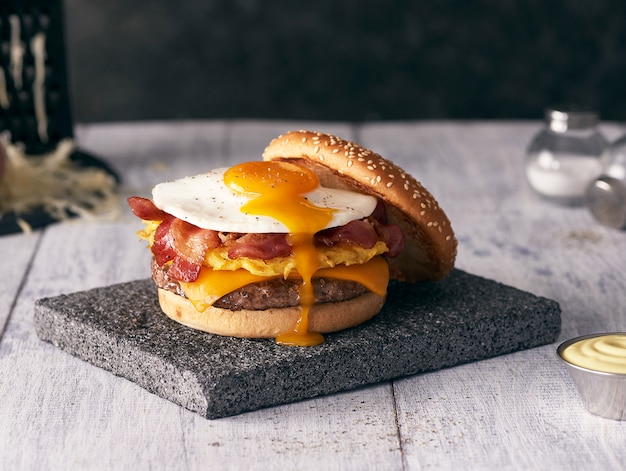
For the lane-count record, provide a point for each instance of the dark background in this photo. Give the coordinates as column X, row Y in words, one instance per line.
column 343, row 59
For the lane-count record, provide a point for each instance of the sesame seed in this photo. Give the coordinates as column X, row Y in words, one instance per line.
column 335, row 151
column 389, row 184
column 316, row 149
column 349, row 164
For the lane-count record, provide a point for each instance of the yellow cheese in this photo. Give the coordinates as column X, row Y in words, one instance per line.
column 374, row 275
column 211, row 284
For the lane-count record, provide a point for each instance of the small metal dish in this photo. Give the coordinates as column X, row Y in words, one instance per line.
column 602, row 393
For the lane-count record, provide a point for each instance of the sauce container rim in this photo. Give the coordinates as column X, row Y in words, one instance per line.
column 571, row 341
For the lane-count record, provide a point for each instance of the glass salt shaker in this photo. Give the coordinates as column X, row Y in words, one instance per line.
column 606, row 196
column 566, row 155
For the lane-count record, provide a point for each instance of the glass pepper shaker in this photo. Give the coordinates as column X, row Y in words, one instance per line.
column 606, row 196
column 566, row 155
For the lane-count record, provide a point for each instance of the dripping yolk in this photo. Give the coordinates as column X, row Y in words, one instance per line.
column 276, row 189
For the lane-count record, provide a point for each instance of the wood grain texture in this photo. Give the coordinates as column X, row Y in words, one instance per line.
column 516, row 411
column 18, row 250
column 519, row 411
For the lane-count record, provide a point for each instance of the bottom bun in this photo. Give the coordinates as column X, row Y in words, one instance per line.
column 323, row 318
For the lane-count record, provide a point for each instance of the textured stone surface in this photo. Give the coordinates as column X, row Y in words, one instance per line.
column 422, row 328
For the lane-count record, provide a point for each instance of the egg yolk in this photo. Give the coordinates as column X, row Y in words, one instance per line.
column 276, row 189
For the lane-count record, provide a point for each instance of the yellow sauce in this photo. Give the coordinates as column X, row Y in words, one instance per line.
column 276, row 189
column 605, row 353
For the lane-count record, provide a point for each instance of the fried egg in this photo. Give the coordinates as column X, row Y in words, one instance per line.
column 209, row 201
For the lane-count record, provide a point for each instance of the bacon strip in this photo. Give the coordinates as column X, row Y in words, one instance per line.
column 393, row 237
column 359, row 232
column 184, row 245
column 163, row 245
column 261, row 246
column 191, row 242
column 184, row 270
column 145, row 209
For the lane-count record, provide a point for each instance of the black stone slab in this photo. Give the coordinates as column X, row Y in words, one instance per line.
column 422, row 328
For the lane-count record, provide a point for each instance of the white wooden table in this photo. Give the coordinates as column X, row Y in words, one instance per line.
column 518, row 411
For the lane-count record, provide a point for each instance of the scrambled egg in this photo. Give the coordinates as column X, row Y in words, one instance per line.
column 281, row 266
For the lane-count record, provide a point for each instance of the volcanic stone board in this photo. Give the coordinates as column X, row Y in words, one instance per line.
column 422, row 328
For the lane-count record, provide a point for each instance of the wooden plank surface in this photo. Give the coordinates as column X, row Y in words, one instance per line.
column 517, row 411
column 18, row 249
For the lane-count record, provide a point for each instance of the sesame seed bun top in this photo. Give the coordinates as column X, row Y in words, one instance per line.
column 430, row 249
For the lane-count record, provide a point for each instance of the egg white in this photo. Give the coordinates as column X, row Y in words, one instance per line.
column 205, row 201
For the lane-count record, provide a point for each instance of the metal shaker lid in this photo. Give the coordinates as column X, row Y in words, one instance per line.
column 564, row 118
column 606, row 200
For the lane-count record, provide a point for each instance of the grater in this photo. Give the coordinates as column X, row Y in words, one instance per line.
column 34, row 93
column 34, row 101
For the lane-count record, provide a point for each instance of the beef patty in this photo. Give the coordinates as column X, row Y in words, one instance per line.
column 269, row 294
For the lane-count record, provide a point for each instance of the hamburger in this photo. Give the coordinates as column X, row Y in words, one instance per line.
column 296, row 245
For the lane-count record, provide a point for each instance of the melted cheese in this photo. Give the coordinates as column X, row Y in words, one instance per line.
column 53, row 182
column 4, row 95
column 38, row 49
column 16, row 51
column 211, row 284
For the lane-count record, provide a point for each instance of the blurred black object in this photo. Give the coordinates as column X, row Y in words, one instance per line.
column 34, row 94
column 344, row 59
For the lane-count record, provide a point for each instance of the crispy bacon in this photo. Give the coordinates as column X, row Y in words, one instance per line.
column 379, row 213
column 163, row 245
column 262, row 246
column 184, row 270
column 393, row 237
column 184, row 245
column 359, row 232
column 145, row 209
column 191, row 242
